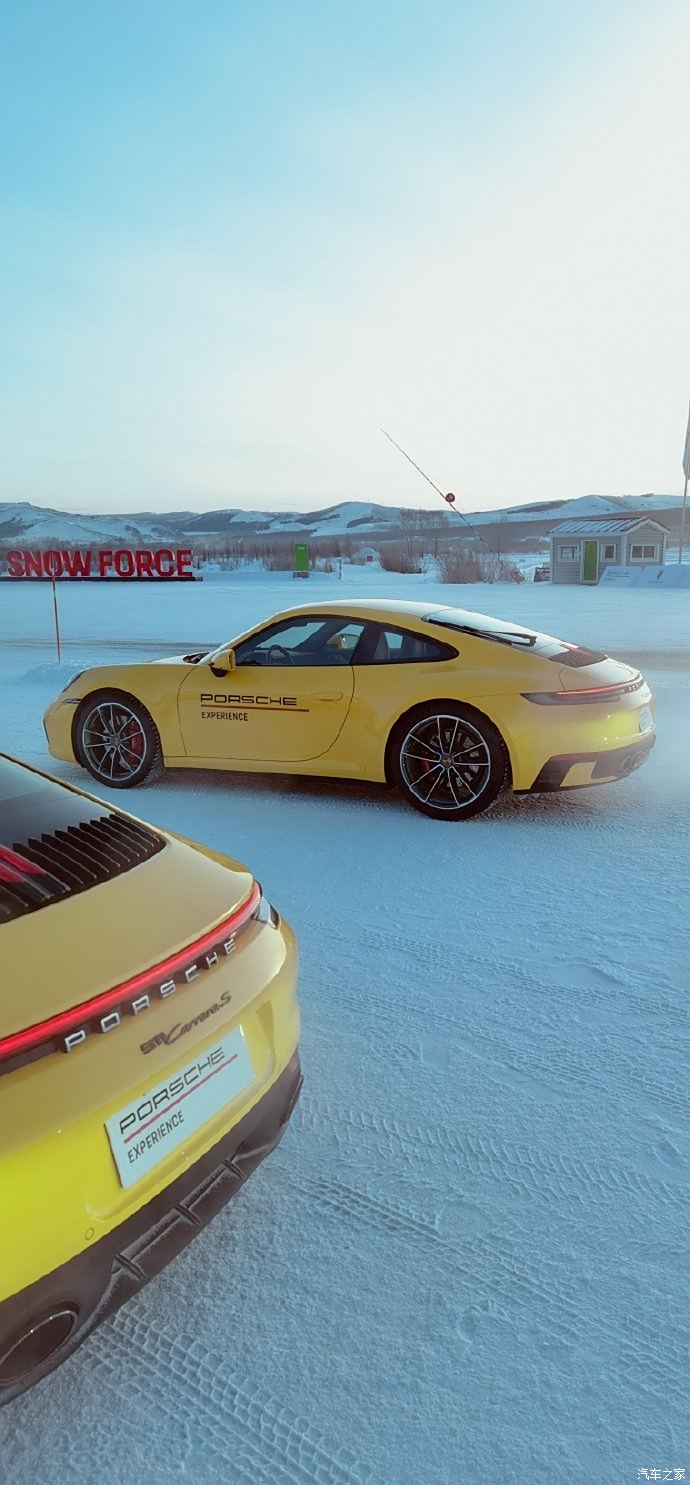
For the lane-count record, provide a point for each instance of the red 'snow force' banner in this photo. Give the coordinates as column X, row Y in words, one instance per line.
column 77, row 562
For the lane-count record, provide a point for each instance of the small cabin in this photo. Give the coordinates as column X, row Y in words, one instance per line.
column 582, row 549
column 364, row 555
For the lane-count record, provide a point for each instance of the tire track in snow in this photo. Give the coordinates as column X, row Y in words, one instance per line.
column 613, row 985
column 556, row 1179
column 537, row 1293
column 253, row 1435
column 547, row 1071
column 533, row 1073
column 489, row 1268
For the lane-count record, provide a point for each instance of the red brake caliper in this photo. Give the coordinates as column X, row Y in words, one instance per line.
column 135, row 739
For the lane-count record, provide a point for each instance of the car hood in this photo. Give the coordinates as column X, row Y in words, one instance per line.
column 176, row 659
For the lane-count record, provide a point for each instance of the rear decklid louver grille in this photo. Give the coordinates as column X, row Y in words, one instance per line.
column 45, row 868
column 578, row 656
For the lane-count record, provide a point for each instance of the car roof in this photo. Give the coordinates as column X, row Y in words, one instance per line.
column 369, row 608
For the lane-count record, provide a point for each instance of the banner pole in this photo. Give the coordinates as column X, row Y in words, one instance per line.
column 681, row 543
column 57, row 622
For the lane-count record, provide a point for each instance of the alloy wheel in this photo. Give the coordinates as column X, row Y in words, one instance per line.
column 445, row 762
column 114, row 741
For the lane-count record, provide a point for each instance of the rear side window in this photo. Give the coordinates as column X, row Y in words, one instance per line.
column 387, row 646
column 481, row 626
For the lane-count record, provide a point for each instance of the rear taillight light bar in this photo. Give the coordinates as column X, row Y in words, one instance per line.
column 132, row 995
column 596, row 695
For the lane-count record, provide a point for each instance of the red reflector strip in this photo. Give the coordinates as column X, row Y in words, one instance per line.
column 592, row 694
column 44, row 1031
column 7, row 874
column 14, row 868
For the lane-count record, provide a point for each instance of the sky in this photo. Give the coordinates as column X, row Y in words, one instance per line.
column 239, row 237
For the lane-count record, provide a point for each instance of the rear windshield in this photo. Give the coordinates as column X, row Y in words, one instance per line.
column 17, row 782
column 482, row 626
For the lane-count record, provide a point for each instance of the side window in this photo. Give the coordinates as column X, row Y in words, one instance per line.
column 307, row 641
column 568, row 554
column 383, row 646
column 609, row 552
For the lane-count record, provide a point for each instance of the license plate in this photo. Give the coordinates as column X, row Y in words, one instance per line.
column 159, row 1121
column 646, row 720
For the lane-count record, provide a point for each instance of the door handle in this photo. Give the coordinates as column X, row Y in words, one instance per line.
column 328, row 696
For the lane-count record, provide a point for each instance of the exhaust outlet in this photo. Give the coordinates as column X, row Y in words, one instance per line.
column 38, row 1340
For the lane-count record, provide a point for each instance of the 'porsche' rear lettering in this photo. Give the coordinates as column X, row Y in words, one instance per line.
column 186, row 975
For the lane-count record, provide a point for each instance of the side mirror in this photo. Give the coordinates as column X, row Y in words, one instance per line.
column 223, row 662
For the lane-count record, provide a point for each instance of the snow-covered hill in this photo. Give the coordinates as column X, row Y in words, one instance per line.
column 351, row 518
column 348, row 518
column 583, row 505
column 43, row 524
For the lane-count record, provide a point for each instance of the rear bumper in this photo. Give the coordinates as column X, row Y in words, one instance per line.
column 580, row 770
column 97, row 1281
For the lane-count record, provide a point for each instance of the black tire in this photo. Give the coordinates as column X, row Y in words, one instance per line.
column 427, row 750
column 137, row 753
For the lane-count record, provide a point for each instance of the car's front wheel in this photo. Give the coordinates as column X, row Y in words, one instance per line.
column 116, row 740
column 449, row 761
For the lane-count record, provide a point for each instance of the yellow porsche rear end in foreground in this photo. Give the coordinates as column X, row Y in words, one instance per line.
column 148, row 1056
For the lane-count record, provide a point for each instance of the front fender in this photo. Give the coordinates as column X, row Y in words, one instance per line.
column 155, row 687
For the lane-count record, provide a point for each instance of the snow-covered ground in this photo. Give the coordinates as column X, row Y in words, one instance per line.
column 466, row 1262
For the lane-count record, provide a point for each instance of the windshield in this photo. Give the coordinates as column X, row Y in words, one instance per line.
column 482, row 626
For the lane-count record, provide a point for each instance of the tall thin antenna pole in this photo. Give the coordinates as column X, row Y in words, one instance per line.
column 449, row 498
column 416, row 466
column 57, row 621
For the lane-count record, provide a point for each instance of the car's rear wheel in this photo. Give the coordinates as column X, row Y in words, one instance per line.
column 116, row 740
column 449, row 761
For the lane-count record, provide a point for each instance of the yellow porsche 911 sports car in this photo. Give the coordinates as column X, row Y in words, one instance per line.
column 148, row 1056
column 451, row 706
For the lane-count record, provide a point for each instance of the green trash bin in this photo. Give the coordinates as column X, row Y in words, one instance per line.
column 301, row 559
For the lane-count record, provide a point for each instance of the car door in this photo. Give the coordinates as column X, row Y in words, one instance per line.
column 396, row 668
column 285, row 701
